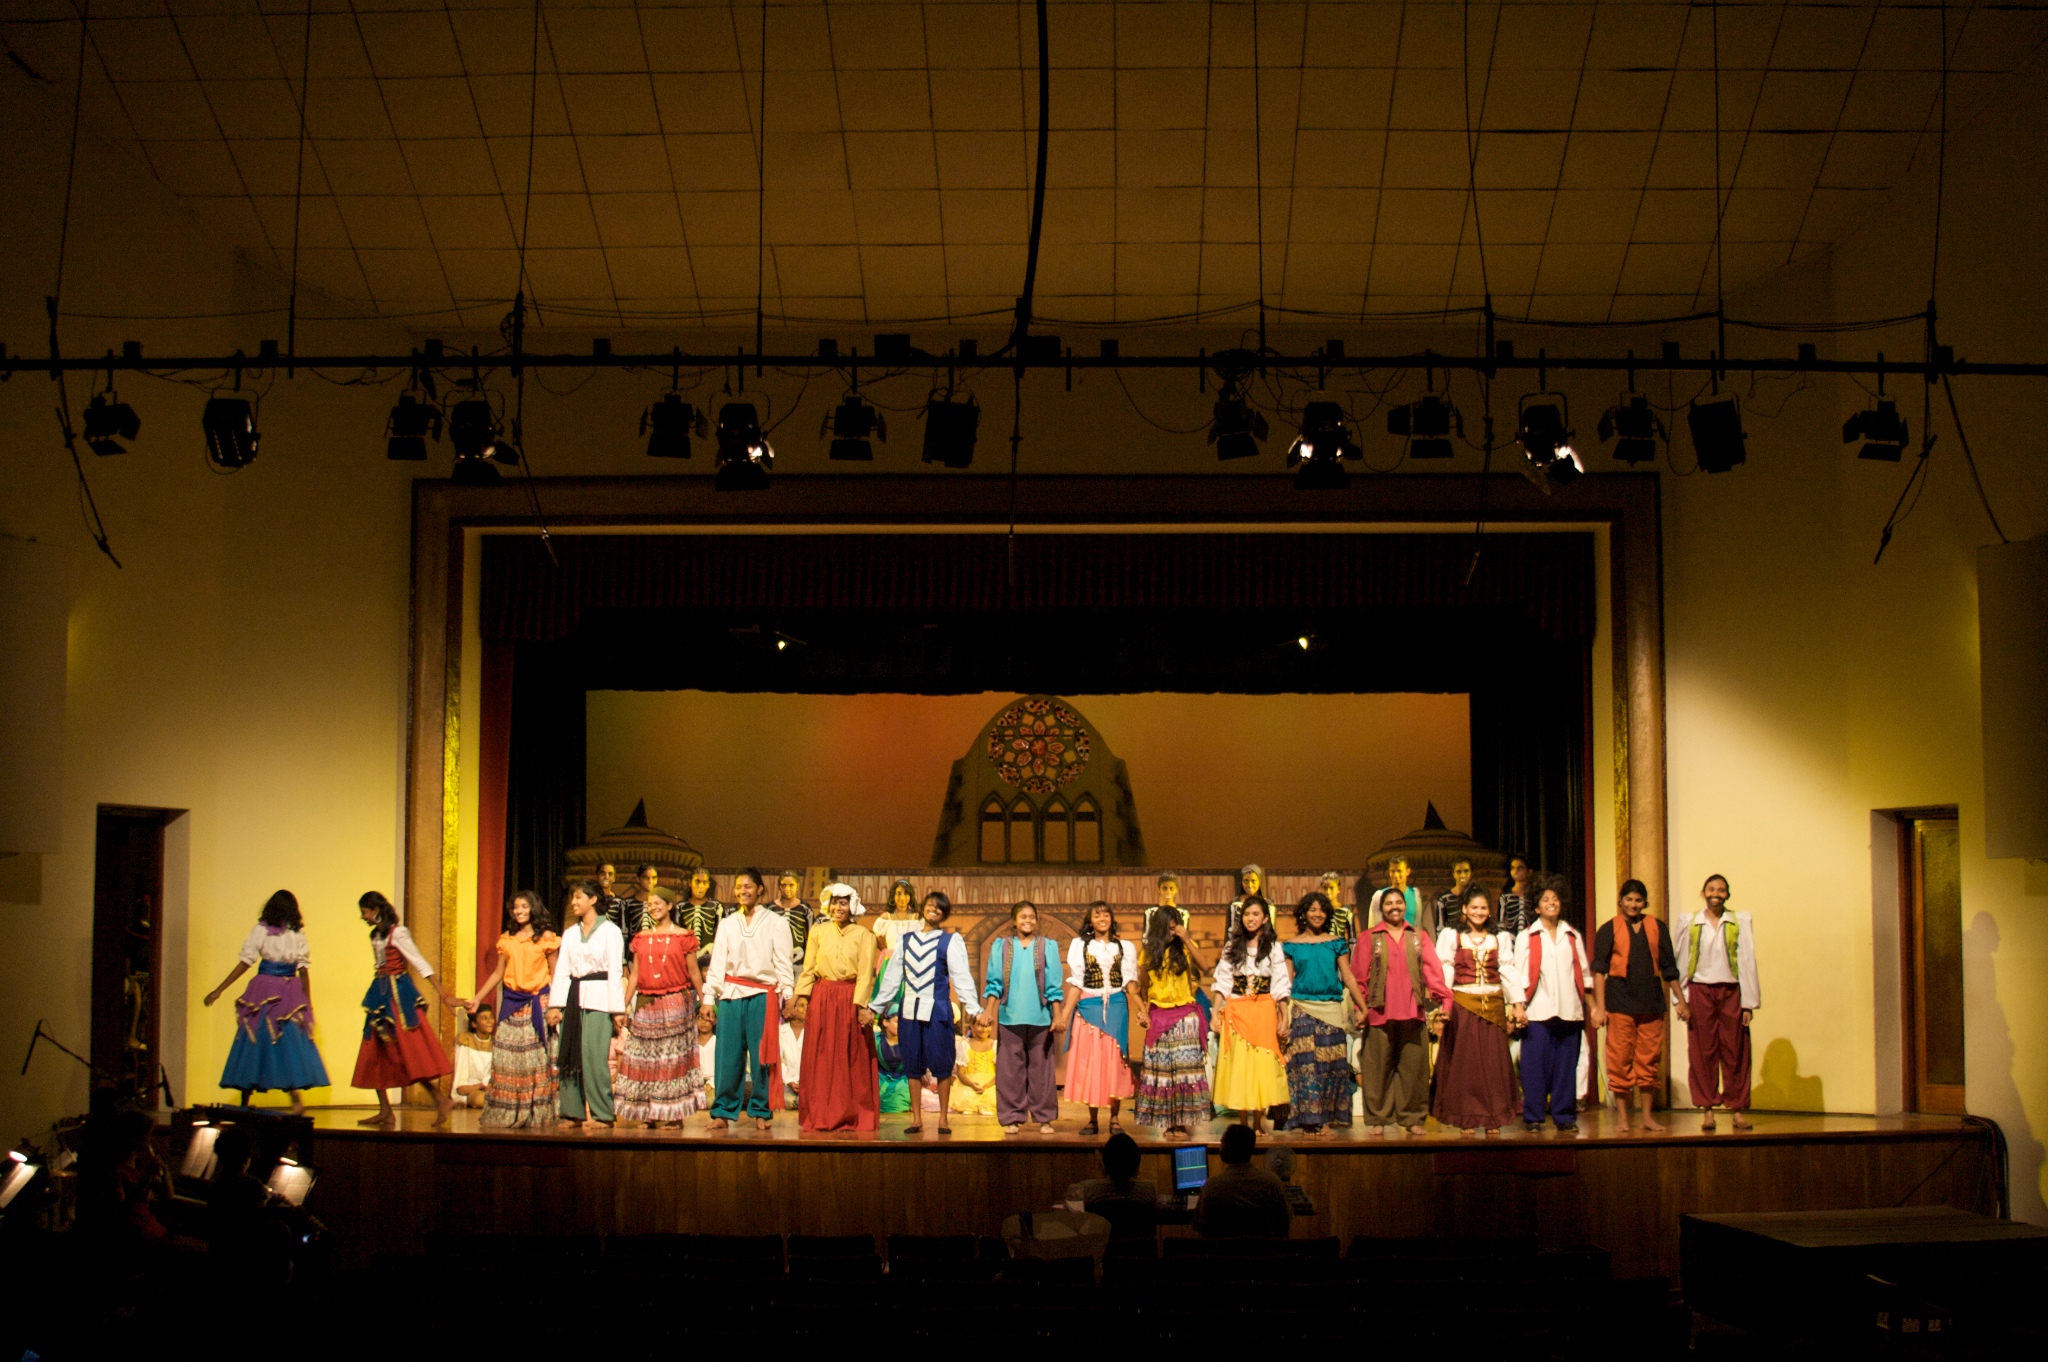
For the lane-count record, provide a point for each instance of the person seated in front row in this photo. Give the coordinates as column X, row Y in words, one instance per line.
column 1242, row 1201
column 473, row 1057
column 1128, row 1202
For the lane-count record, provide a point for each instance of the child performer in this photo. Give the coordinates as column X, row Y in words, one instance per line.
column 752, row 978
column 926, row 971
column 659, row 1082
column 1401, row 995
column 1319, row 1081
column 1024, row 977
column 273, row 1050
column 975, row 1074
column 472, row 1082
column 1557, row 980
column 1717, row 965
column 895, row 1088
column 1253, row 980
column 1103, row 972
column 587, row 1001
column 1475, row 1086
column 399, row 1048
column 522, row 1082
column 834, row 996
column 1174, row 1091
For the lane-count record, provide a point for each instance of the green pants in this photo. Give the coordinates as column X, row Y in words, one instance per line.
column 594, row 1087
column 740, row 1021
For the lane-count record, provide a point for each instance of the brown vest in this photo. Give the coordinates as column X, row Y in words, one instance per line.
column 1376, row 983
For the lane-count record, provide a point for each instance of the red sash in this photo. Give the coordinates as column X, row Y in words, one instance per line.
column 769, row 1054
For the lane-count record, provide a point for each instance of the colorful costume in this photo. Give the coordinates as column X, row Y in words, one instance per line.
column 1475, row 1087
column 522, row 1091
column 589, row 991
column 659, row 1075
column 1098, row 1067
column 1638, row 961
column 1403, row 982
column 1556, row 975
column 918, row 985
column 839, row 1077
column 273, row 1049
column 1717, row 961
column 1174, row 1090
column 1319, row 1079
column 979, row 1065
column 1408, row 897
column 895, row 1088
column 398, row 1046
column 1249, row 1072
column 1025, row 981
column 752, row 978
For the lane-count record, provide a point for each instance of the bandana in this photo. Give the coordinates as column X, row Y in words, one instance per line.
column 832, row 891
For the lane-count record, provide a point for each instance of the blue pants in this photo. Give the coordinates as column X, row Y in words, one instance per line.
column 1550, row 1069
column 739, row 1056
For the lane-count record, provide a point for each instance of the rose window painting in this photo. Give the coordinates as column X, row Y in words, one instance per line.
column 1038, row 745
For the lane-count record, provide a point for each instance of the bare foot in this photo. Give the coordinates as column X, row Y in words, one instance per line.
column 298, row 1105
column 382, row 1118
column 443, row 1108
column 1707, row 1119
column 1418, row 1131
column 718, row 1123
column 1374, row 1132
column 1621, row 1126
column 1741, row 1122
column 591, row 1127
column 1650, row 1122
column 763, row 1124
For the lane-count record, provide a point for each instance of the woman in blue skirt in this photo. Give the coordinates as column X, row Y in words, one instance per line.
column 273, row 1049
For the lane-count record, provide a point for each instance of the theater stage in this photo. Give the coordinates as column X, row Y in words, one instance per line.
column 381, row 1191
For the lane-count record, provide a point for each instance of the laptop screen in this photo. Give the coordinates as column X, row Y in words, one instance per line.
column 1190, row 1167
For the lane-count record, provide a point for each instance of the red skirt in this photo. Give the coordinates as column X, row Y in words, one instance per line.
column 394, row 1053
column 840, row 1083
column 1474, row 1087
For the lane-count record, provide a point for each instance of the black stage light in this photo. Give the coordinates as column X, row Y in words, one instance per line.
column 1426, row 424
column 108, row 421
column 476, row 432
column 1633, row 428
column 744, row 454
column 412, row 423
column 1881, row 428
column 852, row 422
column 1717, row 439
column 1318, row 453
column 949, row 430
column 229, row 424
column 1237, row 427
column 668, row 425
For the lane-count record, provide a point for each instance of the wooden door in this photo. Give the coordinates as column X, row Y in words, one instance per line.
column 1931, row 897
column 127, row 949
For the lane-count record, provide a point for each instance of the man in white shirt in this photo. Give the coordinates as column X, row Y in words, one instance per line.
column 749, row 983
column 1560, row 986
column 926, row 971
column 1717, row 965
column 586, row 1004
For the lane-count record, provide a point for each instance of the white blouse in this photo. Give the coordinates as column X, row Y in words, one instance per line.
column 472, row 1068
column 602, row 952
column 402, row 939
column 284, row 948
column 1273, row 967
column 1499, row 944
column 1106, row 954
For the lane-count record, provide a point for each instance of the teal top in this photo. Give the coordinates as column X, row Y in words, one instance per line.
column 1314, row 964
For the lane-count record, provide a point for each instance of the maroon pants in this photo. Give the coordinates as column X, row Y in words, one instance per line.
column 1717, row 1046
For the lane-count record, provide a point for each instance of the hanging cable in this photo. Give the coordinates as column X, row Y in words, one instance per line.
column 1022, row 326
column 761, row 190
column 518, row 317
column 1971, row 460
column 88, row 509
column 1472, row 148
column 291, row 315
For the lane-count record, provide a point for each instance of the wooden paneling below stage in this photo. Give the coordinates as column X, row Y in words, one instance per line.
column 381, row 1191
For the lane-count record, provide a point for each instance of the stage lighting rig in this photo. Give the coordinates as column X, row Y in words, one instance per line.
column 1426, row 424
column 1881, row 428
column 1543, row 428
column 744, row 454
column 668, row 425
column 950, row 427
column 229, row 424
column 411, row 424
column 1633, row 427
column 1236, row 427
column 1718, row 443
column 109, row 421
column 1318, row 452
column 851, row 424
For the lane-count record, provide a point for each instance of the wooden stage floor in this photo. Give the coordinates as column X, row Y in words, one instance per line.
column 383, row 1190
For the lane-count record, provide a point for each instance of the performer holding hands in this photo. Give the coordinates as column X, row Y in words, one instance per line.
column 1173, row 1092
column 659, row 1079
column 398, row 1048
column 1475, row 1086
column 752, row 978
column 522, row 1086
column 1102, row 972
column 587, row 1002
column 1402, row 986
column 1717, row 964
column 835, row 997
column 1026, row 986
column 1254, row 981
column 925, row 971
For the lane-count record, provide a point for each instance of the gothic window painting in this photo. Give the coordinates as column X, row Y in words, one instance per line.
column 1038, row 745
column 1038, row 786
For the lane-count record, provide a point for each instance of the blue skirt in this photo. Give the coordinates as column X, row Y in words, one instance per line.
column 266, row 1064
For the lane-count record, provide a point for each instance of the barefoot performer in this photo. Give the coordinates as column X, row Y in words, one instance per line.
column 586, row 1005
column 273, row 1050
column 399, row 1048
column 1637, row 972
column 751, row 979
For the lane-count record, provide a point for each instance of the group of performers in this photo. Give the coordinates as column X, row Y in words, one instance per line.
column 856, row 1017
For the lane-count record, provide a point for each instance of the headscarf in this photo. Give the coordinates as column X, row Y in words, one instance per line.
column 1254, row 868
column 835, row 889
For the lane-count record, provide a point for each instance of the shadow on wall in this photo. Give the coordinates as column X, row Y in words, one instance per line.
column 1993, row 1092
column 1779, row 1084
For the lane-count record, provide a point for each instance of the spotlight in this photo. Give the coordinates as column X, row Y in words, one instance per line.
column 1717, row 438
column 851, row 423
column 1881, row 428
column 1426, row 424
column 478, row 437
column 24, row 1162
column 411, row 425
column 1633, row 429
column 949, row 431
column 1317, row 454
column 744, row 454
column 668, row 425
column 108, row 421
column 229, row 424
column 1543, row 429
column 1238, row 427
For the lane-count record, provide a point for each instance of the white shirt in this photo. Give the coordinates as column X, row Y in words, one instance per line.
column 1493, row 943
column 284, row 948
column 602, row 952
column 1713, row 965
column 402, row 939
column 472, row 1068
column 921, row 978
column 792, row 1055
column 1554, row 997
column 1273, row 967
column 1106, row 954
column 756, row 947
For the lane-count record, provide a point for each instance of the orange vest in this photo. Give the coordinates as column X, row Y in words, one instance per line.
column 1617, row 964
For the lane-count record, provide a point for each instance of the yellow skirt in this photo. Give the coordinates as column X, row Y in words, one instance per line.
column 1249, row 1077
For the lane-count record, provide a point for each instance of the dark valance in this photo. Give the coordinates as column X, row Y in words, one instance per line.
column 1547, row 579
